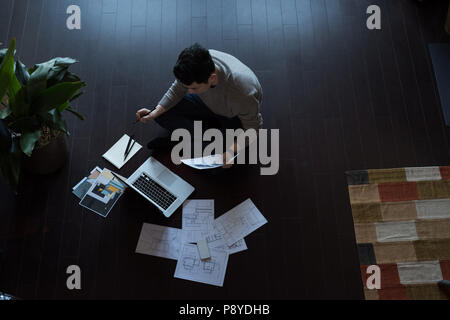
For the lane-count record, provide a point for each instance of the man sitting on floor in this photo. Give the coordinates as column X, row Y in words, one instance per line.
column 213, row 87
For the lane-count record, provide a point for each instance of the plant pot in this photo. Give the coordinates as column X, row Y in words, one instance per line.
column 49, row 158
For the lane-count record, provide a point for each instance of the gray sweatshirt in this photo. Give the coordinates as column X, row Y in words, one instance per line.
column 238, row 92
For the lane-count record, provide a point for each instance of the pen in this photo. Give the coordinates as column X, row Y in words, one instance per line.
column 131, row 148
column 128, row 145
column 142, row 117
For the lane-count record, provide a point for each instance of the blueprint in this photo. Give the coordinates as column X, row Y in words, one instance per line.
column 240, row 221
column 215, row 240
column 224, row 236
column 235, row 247
column 159, row 241
column 197, row 219
column 209, row 271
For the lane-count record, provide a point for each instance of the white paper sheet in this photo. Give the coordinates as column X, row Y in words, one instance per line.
column 240, row 221
column 115, row 154
column 209, row 271
column 216, row 240
column 159, row 241
column 208, row 162
column 197, row 219
column 235, row 247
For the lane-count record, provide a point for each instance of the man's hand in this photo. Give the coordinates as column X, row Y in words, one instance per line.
column 227, row 156
column 143, row 115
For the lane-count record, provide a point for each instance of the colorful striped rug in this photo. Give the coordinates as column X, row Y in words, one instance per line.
column 402, row 225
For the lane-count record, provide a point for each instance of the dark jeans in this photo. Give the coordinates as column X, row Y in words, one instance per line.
column 191, row 108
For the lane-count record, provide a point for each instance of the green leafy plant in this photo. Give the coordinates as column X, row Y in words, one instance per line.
column 32, row 104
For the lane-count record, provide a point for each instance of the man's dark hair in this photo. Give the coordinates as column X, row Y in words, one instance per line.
column 194, row 64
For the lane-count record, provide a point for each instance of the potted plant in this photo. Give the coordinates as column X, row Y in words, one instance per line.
column 33, row 101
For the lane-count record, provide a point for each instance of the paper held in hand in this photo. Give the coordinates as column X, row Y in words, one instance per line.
column 208, row 162
column 115, row 154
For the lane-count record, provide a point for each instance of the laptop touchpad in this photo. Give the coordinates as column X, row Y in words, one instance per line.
column 167, row 177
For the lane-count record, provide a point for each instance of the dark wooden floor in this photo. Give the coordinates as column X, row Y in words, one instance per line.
column 342, row 96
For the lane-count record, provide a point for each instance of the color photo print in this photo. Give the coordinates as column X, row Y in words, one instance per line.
column 104, row 193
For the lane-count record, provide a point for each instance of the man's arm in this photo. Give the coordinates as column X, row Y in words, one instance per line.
column 159, row 110
column 250, row 119
column 174, row 94
column 144, row 114
column 237, row 147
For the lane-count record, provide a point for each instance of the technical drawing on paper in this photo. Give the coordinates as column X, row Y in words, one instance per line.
column 197, row 214
column 210, row 271
column 240, row 221
column 197, row 219
column 216, row 240
column 189, row 263
column 238, row 246
column 208, row 266
column 159, row 241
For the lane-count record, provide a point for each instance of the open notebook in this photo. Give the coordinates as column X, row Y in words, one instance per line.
column 115, row 154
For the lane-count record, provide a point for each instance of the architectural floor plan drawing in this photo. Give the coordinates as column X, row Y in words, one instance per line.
column 159, row 241
column 216, row 240
column 197, row 219
column 240, row 221
column 238, row 246
column 224, row 236
column 210, row 271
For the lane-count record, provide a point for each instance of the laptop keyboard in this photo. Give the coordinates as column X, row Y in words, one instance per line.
column 154, row 191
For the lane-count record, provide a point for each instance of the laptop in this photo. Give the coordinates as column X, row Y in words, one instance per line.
column 160, row 186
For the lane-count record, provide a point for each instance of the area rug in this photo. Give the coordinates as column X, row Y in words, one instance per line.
column 402, row 225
